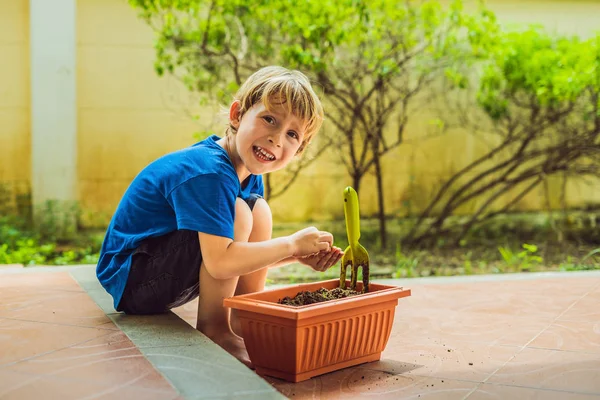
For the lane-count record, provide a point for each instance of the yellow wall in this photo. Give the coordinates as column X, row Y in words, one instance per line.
column 128, row 116
column 14, row 94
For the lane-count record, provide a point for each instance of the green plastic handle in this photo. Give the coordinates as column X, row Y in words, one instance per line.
column 352, row 216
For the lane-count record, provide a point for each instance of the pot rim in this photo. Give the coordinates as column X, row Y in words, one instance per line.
column 249, row 302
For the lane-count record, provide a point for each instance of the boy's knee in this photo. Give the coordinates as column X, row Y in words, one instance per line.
column 262, row 219
column 243, row 220
column 261, row 211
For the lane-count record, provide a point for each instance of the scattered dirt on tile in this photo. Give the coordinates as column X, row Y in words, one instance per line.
column 318, row 296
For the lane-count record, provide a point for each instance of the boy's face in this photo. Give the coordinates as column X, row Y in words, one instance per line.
column 266, row 140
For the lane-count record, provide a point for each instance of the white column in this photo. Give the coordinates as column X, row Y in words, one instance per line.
column 53, row 111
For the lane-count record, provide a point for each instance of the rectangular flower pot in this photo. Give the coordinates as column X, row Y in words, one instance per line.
column 297, row 343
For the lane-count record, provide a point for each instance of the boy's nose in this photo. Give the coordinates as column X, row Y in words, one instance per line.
column 276, row 140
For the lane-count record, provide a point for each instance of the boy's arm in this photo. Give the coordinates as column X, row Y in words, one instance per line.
column 284, row 262
column 224, row 258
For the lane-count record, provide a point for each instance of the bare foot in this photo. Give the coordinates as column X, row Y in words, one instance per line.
column 233, row 344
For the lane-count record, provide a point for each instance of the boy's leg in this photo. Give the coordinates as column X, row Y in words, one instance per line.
column 262, row 229
column 213, row 318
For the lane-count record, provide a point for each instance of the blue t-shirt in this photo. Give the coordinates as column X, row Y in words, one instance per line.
column 194, row 188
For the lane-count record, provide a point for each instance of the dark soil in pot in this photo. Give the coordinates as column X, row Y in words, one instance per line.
column 318, row 296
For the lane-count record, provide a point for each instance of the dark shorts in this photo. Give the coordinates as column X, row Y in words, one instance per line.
column 165, row 272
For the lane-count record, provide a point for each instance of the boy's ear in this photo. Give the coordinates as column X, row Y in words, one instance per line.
column 234, row 114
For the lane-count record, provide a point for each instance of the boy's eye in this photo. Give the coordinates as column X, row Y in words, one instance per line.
column 269, row 120
column 293, row 134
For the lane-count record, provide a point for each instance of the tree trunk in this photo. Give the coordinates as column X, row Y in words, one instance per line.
column 380, row 199
column 356, row 177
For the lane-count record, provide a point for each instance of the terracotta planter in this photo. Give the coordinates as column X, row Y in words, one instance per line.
column 297, row 343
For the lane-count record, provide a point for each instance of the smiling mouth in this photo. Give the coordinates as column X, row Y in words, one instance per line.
column 263, row 154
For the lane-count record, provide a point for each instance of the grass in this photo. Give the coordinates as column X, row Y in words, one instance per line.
column 22, row 245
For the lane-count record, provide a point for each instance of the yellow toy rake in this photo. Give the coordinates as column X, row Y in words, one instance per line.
column 355, row 254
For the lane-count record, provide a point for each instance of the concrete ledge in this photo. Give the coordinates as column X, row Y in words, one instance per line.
column 21, row 269
column 523, row 276
column 11, row 266
column 191, row 362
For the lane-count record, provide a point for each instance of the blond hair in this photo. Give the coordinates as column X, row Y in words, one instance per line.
column 284, row 87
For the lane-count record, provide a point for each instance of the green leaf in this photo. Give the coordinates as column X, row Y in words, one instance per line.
column 530, row 247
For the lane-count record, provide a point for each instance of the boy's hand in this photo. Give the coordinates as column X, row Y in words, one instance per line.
column 323, row 260
column 310, row 241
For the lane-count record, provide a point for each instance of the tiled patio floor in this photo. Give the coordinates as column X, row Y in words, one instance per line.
column 525, row 336
column 56, row 343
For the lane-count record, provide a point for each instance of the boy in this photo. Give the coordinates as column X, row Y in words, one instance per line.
column 193, row 223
